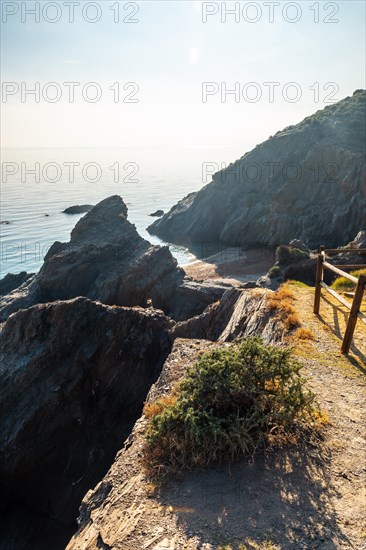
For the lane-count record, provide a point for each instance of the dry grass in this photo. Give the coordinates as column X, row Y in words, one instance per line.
column 321, row 417
column 282, row 301
column 304, row 333
column 153, row 409
column 342, row 284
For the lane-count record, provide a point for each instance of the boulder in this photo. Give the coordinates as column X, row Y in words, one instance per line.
column 306, row 182
column 286, row 255
column 74, row 377
column 352, row 257
column 359, row 241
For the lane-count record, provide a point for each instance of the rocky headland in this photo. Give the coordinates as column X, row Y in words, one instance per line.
column 111, row 321
column 107, row 260
column 307, row 182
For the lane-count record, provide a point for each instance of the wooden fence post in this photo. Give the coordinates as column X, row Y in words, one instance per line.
column 319, row 279
column 352, row 320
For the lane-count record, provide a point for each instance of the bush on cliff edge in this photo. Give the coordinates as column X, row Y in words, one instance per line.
column 286, row 255
column 232, row 401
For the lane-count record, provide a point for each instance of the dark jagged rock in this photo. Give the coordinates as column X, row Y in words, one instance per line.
column 238, row 314
column 12, row 281
column 193, row 297
column 74, row 376
column 78, row 209
column 307, row 182
column 105, row 260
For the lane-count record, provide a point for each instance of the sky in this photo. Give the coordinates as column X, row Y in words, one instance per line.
column 162, row 71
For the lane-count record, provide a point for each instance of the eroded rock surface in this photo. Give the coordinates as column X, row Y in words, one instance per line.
column 238, row 314
column 12, row 281
column 105, row 260
column 307, row 182
column 74, row 376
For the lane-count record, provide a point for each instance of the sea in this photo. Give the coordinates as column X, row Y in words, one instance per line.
column 38, row 184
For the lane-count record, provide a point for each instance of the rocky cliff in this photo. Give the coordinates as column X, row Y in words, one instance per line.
column 125, row 510
column 74, row 376
column 238, row 314
column 307, row 182
column 107, row 260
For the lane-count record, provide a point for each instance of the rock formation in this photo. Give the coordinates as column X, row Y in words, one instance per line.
column 157, row 213
column 107, row 260
column 74, row 376
column 122, row 511
column 238, row 314
column 76, row 366
column 307, row 182
column 11, row 281
column 78, row 209
column 138, row 524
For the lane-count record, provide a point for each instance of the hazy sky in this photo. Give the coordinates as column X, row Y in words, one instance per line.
column 169, row 53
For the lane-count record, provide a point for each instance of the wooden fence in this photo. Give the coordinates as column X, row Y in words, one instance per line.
column 360, row 283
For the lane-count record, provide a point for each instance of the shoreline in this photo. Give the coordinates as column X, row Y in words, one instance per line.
column 235, row 271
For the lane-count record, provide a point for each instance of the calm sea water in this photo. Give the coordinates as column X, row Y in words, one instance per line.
column 38, row 184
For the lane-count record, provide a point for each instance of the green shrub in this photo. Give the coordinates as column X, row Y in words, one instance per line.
column 232, row 401
column 274, row 272
column 343, row 284
column 286, row 255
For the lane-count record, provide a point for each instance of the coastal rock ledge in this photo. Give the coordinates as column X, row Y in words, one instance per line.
column 107, row 260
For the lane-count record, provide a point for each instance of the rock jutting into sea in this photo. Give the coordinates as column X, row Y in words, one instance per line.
column 107, row 260
column 307, row 182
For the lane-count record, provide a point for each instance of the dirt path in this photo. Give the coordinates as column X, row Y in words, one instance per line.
column 340, row 384
column 298, row 498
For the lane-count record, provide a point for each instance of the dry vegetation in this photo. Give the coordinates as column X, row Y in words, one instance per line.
column 231, row 402
column 309, row 495
column 304, row 333
column 282, row 301
column 342, row 284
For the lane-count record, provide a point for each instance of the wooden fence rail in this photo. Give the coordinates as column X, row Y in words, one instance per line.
column 360, row 283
